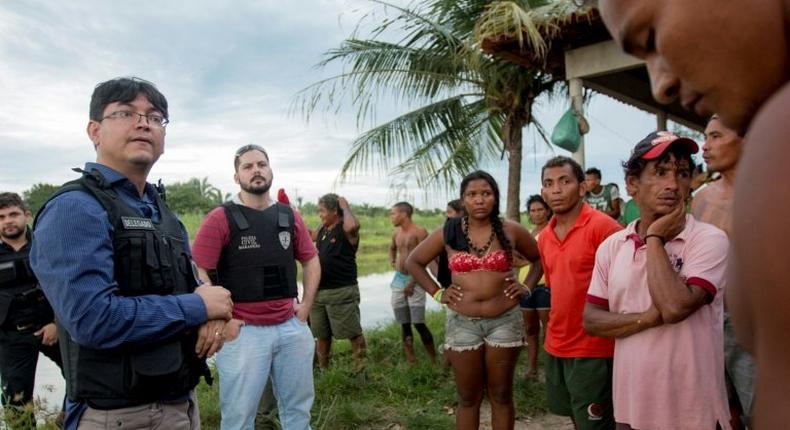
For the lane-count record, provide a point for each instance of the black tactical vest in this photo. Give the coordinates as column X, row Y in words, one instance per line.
column 148, row 258
column 22, row 304
column 259, row 263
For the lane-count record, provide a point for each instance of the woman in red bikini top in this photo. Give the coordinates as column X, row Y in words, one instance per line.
column 484, row 327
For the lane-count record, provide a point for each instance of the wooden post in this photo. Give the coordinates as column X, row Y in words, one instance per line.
column 575, row 86
column 661, row 121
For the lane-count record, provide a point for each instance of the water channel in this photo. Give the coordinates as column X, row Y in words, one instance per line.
column 375, row 310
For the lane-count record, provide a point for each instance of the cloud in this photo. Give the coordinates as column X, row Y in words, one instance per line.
column 230, row 70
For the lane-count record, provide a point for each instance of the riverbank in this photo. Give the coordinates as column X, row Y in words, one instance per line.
column 389, row 394
column 375, row 237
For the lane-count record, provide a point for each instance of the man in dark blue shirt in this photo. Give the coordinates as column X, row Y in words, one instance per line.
column 115, row 264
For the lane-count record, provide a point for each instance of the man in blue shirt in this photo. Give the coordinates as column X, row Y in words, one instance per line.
column 115, row 264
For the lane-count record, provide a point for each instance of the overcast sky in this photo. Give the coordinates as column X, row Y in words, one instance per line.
column 230, row 70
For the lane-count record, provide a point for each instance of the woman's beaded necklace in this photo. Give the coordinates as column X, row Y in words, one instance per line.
column 478, row 251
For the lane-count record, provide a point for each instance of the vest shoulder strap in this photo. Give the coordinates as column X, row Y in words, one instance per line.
column 94, row 184
column 285, row 216
column 235, row 215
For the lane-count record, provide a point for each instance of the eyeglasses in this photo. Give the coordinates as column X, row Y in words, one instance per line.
column 153, row 119
column 247, row 148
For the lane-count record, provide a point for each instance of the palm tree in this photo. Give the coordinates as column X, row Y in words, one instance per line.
column 467, row 107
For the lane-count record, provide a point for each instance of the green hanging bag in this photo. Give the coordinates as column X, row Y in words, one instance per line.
column 566, row 133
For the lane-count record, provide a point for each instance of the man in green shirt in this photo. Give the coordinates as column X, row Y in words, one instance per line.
column 605, row 198
column 630, row 212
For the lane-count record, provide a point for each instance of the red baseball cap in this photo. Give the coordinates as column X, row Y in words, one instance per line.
column 656, row 143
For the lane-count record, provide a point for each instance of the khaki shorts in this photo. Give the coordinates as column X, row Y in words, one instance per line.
column 335, row 313
column 411, row 309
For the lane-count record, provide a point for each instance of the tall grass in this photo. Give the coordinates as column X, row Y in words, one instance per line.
column 389, row 393
column 375, row 237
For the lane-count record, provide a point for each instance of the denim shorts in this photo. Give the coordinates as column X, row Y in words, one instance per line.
column 464, row 333
column 540, row 299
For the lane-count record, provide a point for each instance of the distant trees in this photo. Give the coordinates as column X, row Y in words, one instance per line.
column 192, row 196
column 37, row 195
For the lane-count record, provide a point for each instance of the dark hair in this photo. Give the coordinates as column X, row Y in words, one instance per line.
column 404, row 207
column 496, row 221
column 560, row 161
column 330, row 201
column 457, row 205
column 245, row 149
column 593, row 171
column 636, row 166
column 125, row 90
column 8, row 200
column 536, row 198
column 739, row 132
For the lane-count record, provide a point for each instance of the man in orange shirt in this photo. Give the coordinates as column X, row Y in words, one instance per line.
column 578, row 366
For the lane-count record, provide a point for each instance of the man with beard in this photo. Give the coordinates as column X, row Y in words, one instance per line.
column 656, row 290
column 743, row 77
column 578, row 366
column 713, row 204
column 27, row 324
column 250, row 245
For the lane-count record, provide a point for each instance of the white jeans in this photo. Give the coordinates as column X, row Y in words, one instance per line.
column 286, row 350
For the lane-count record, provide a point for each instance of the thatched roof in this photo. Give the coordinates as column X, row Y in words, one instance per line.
column 562, row 26
column 541, row 37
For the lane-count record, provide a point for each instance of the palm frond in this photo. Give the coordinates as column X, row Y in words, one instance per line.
column 432, row 143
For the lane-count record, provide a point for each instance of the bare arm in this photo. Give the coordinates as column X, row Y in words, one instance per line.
column 616, row 207
column 311, row 275
column 423, row 255
column 673, row 298
column 203, row 276
column 350, row 222
column 698, row 204
column 393, row 250
column 671, row 295
column 598, row 321
column 314, row 234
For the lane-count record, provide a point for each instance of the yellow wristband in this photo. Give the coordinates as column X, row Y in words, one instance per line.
column 438, row 295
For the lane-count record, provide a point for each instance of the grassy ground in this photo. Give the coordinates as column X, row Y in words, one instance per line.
column 375, row 236
column 390, row 393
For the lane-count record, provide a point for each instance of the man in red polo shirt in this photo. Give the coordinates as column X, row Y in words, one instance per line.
column 578, row 366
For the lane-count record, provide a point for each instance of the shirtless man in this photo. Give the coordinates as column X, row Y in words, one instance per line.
column 713, row 204
column 721, row 152
column 744, row 78
column 408, row 299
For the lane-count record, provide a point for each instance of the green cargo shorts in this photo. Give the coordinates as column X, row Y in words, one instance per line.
column 581, row 388
column 335, row 313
